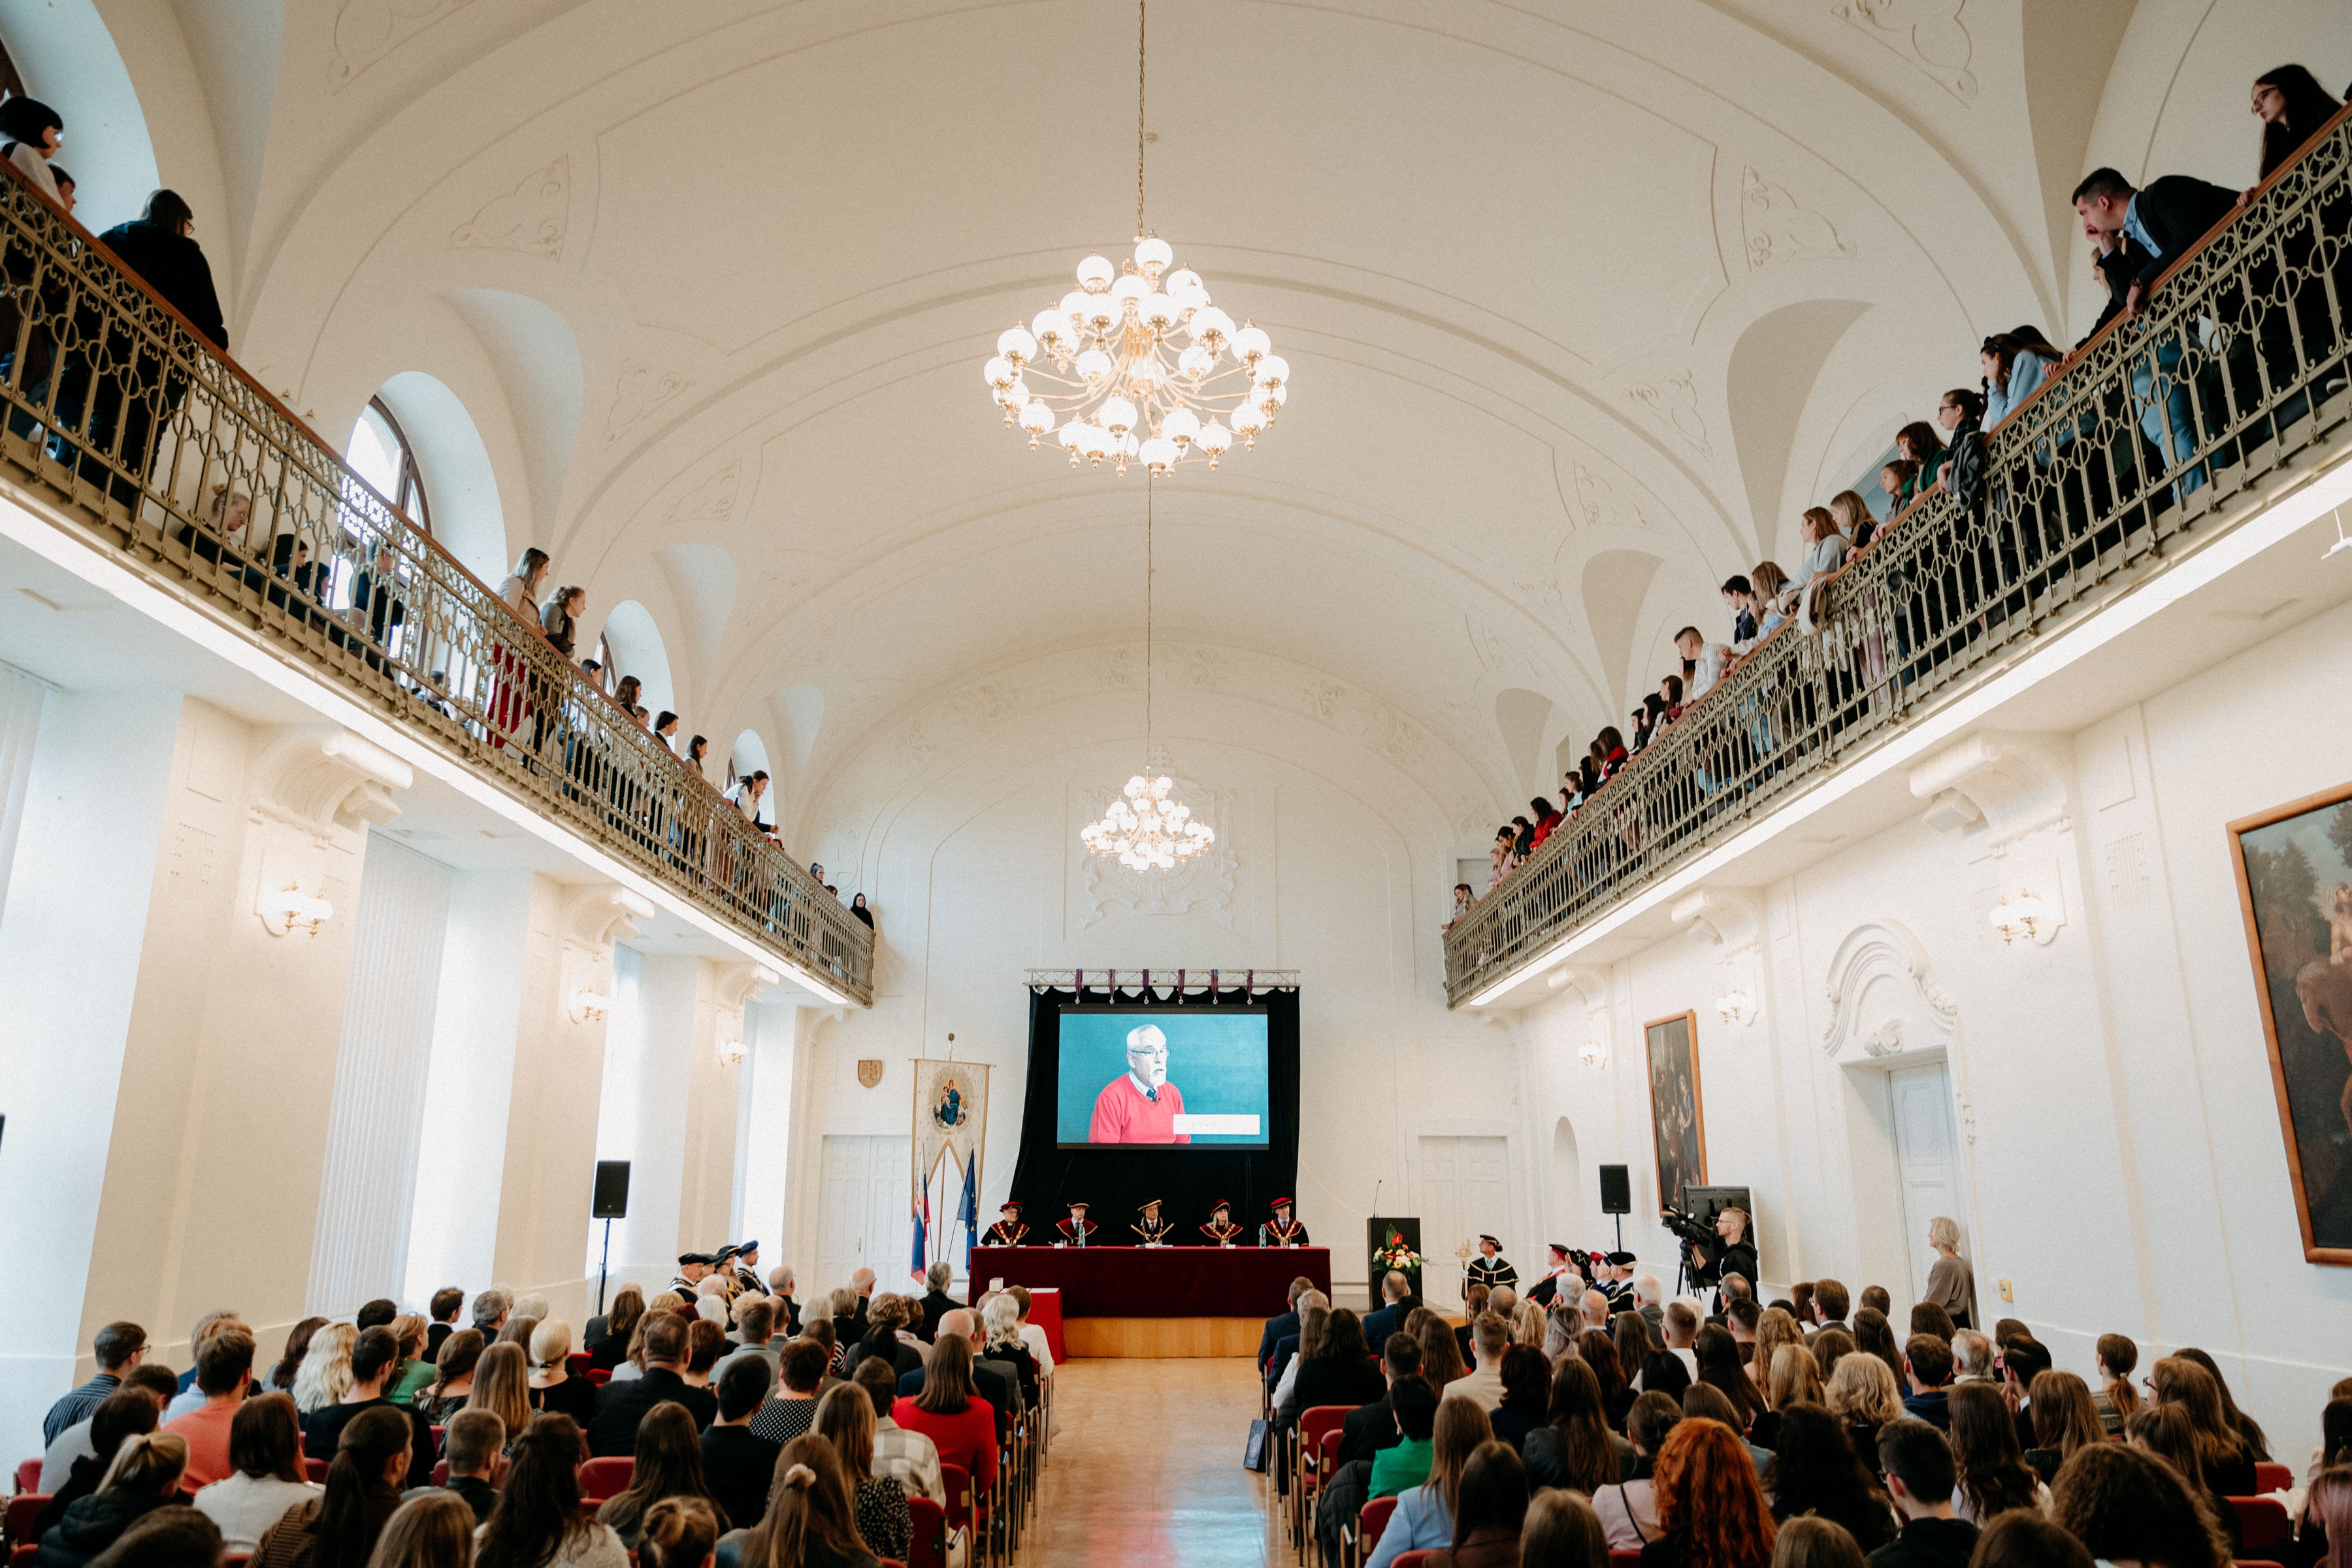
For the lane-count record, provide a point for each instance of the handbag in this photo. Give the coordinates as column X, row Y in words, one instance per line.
column 1253, row 1452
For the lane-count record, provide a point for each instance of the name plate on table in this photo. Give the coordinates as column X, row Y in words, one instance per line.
column 1188, row 1123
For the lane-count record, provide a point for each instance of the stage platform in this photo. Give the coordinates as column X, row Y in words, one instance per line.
column 1162, row 1338
column 1155, row 1302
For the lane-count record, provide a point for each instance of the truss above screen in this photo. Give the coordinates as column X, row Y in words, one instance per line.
column 1166, row 982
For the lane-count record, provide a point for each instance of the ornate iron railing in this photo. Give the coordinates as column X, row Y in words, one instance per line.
column 156, row 447
column 2236, row 363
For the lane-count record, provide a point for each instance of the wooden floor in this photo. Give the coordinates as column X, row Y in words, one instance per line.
column 1147, row 1469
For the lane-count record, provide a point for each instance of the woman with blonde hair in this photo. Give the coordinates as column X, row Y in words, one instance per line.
column 1795, row 1376
column 453, row 1381
column 1775, row 1328
column 1528, row 1325
column 414, row 1372
column 325, row 1374
column 845, row 1419
column 1862, row 1394
column 501, row 1385
column 1424, row 1520
column 1853, row 519
column 1001, row 1340
column 1951, row 1283
column 553, row 1385
column 680, row 1532
column 432, row 1529
column 810, row 1522
column 143, row 1477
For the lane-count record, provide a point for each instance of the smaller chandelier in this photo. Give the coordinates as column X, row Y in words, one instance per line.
column 1111, row 377
column 1150, row 829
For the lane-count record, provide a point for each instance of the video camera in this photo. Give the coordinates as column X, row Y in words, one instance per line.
column 1689, row 1227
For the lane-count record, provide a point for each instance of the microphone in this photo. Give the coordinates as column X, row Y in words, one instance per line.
column 1376, row 1197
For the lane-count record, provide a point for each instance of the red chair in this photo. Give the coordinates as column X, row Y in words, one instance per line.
column 440, row 1472
column 2261, row 1521
column 317, row 1469
column 235, row 1559
column 589, row 1505
column 928, row 1549
column 599, row 1376
column 601, row 1478
column 1624, row 1559
column 1373, row 1519
column 958, row 1481
column 2271, row 1477
column 23, row 1510
column 2256, row 1562
column 22, row 1557
column 28, row 1474
column 1313, row 1424
column 1415, row 1558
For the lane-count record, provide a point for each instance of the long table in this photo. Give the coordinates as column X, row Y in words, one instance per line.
column 1157, row 1282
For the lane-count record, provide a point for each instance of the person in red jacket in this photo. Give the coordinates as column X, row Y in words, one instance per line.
column 958, row 1421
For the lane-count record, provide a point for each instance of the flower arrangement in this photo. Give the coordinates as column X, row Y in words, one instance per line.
column 1396, row 1253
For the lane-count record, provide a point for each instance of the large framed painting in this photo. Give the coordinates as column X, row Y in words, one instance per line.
column 2295, row 888
column 1677, row 1117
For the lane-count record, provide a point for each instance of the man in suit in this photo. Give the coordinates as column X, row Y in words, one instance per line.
column 936, row 1302
column 1829, row 1304
column 621, row 1406
column 1276, row 1329
column 1396, row 1294
column 2162, row 222
column 862, row 1282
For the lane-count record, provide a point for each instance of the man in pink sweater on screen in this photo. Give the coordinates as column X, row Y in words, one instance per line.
column 1141, row 1106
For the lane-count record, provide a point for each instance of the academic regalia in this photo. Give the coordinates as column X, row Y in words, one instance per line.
column 1491, row 1272
column 1220, row 1232
column 1008, row 1231
column 1078, row 1229
column 1152, row 1232
column 1549, row 1285
column 1281, row 1233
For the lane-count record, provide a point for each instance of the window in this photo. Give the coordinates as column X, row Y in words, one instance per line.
column 385, row 460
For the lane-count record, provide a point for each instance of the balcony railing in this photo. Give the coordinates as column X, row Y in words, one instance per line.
column 2236, row 363
column 156, row 447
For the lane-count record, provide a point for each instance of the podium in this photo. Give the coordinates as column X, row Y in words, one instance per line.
column 1376, row 1237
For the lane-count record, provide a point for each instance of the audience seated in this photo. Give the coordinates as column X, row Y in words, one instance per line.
column 950, row 1412
column 1526, row 1396
column 1424, row 1520
column 845, row 1419
column 668, row 1464
column 144, row 1476
column 910, row 1458
column 621, row 1406
column 1711, row 1507
column 366, row 1369
column 1628, row 1507
column 737, row 1463
column 118, row 1348
column 223, row 1371
column 811, row 1518
column 474, row 1448
column 265, row 1451
column 338, row 1529
column 792, row 1409
column 679, row 1532
column 536, row 1522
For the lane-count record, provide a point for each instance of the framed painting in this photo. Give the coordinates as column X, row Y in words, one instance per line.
column 1677, row 1117
column 2294, row 888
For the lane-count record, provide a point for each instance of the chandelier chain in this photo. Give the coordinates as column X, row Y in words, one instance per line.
column 1147, row 614
column 1140, row 20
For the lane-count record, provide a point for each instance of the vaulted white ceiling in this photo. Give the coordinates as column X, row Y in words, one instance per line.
column 1584, row 303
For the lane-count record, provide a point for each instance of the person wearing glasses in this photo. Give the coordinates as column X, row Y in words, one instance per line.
column 1140, row 1106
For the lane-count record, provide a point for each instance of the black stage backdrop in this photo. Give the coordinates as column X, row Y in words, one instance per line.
column 1113, row 1183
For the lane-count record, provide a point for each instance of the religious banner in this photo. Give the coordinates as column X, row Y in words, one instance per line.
column 951, row 1116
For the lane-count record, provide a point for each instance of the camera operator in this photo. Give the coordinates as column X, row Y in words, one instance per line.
column 1729, row 1253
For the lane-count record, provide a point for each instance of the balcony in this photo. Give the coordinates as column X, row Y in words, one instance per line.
column 127, row 432
column 2165, row 435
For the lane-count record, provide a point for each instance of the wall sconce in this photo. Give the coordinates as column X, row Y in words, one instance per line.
column 1593, row 1054
column 730, row 1053
column 285, row 910
column 1737, row 1007
column 589, row 1005
column 2026, row 915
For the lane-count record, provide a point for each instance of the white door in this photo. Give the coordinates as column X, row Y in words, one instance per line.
column 864, row 1222
column 1463, row 1195
column 1919, row 1104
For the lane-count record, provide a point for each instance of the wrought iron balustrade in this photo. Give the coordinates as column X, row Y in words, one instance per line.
column 157, row 447
column 2236, row 363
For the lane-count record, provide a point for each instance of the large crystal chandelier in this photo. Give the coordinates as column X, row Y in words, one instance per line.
column 1148, row 828
column 1106, row 369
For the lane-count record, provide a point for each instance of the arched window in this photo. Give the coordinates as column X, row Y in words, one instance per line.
column 385, row 460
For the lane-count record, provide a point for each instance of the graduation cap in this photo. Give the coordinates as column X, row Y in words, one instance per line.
column 1077, row 1203
column 745, row 1248
column 1557, row 1249
column 1222, row 1206
column 723, row 1254
column 685, row 1257
column 1147, row 1204
column 1279, row 1203
column 1622, row 1259
column 1489, row 1238
column 1010, row 1205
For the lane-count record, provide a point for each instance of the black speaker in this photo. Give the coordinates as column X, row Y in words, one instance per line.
column 611, row 1190
column 1616, row 1190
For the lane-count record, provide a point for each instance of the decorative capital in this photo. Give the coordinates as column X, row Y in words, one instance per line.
column 738, row 983
column 599, row 914
column 1729, row 918
column 2005, row 786
column 323, row 778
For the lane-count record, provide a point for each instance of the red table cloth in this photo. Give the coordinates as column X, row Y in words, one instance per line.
column 1157, row 1282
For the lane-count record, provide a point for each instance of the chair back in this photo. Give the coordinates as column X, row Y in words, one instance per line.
column 1421, row 1559
column 22, row 1557
column 578, row 1362
column 440, row 1472
column 28, row 1474
column 2273, row 1478
column 2261, row 1521
column 929, row 1548
column 1315, row 1420
column 316, row 1469
column 599, row 1376
column 1624, row 1559
column 958, row 1481
column 23, row 1510
column 1373, row 1519
column 608, row 1477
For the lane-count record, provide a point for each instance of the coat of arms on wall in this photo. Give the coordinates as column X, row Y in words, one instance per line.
column 869, row 1071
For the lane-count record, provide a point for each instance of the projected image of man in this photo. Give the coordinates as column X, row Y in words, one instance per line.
column 1140, row 1106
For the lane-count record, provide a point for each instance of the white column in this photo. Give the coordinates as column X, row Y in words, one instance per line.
column 20, row 728
column 763, row 1129
column 461, row 1156
column 361, row 1248
column 71, row 931
column 650, row 1082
